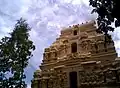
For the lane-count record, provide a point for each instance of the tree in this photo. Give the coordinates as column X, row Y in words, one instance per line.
column 108, row 12
column 15, row 51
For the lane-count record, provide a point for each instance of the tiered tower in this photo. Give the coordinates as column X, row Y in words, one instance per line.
column 78, row 50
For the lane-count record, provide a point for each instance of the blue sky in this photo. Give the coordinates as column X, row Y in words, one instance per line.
column 46, row 18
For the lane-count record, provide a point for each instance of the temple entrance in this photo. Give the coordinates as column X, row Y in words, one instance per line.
column 73, row 79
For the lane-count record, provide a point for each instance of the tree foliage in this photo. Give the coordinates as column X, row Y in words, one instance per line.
column 108, row 12
column 15, row 51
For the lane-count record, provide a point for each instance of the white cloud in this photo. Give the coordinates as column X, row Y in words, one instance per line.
column 29, row 86
column 46, row 18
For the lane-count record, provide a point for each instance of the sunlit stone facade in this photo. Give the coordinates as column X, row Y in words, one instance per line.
column 77, row 59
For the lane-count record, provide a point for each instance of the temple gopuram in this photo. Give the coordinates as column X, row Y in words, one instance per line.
column 79, row 58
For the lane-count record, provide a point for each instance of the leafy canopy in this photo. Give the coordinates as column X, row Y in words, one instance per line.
column 108, row 12
column 15, row 51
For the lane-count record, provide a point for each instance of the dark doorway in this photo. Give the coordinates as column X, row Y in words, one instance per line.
column 73, row 79
column 74, row 47
column 75, row 32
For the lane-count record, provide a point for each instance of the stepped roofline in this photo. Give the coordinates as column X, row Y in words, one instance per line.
column 82, row 26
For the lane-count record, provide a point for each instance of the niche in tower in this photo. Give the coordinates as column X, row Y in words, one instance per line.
column 75, row 32
column 74, row 47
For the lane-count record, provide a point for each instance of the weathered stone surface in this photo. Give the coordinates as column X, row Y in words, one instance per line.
column 79, row 49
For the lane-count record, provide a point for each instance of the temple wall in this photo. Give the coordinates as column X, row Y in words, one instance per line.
column 78, row 49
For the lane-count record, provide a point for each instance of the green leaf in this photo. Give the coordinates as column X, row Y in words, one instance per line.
column 15, row 51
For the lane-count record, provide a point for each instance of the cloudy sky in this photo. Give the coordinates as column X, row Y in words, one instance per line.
column 46, row 18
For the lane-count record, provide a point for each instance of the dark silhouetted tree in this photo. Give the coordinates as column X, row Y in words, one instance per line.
column 108, row 12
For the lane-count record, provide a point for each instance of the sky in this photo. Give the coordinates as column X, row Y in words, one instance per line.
column 46, row 18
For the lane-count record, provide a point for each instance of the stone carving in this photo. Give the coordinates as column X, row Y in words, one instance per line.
column 45, row 56
column 59, row 60
column 94, row 46
column 99, row 77
column 85, row 45
column 83, row 35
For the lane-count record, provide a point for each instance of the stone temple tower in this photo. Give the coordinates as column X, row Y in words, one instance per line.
column 78, row 58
